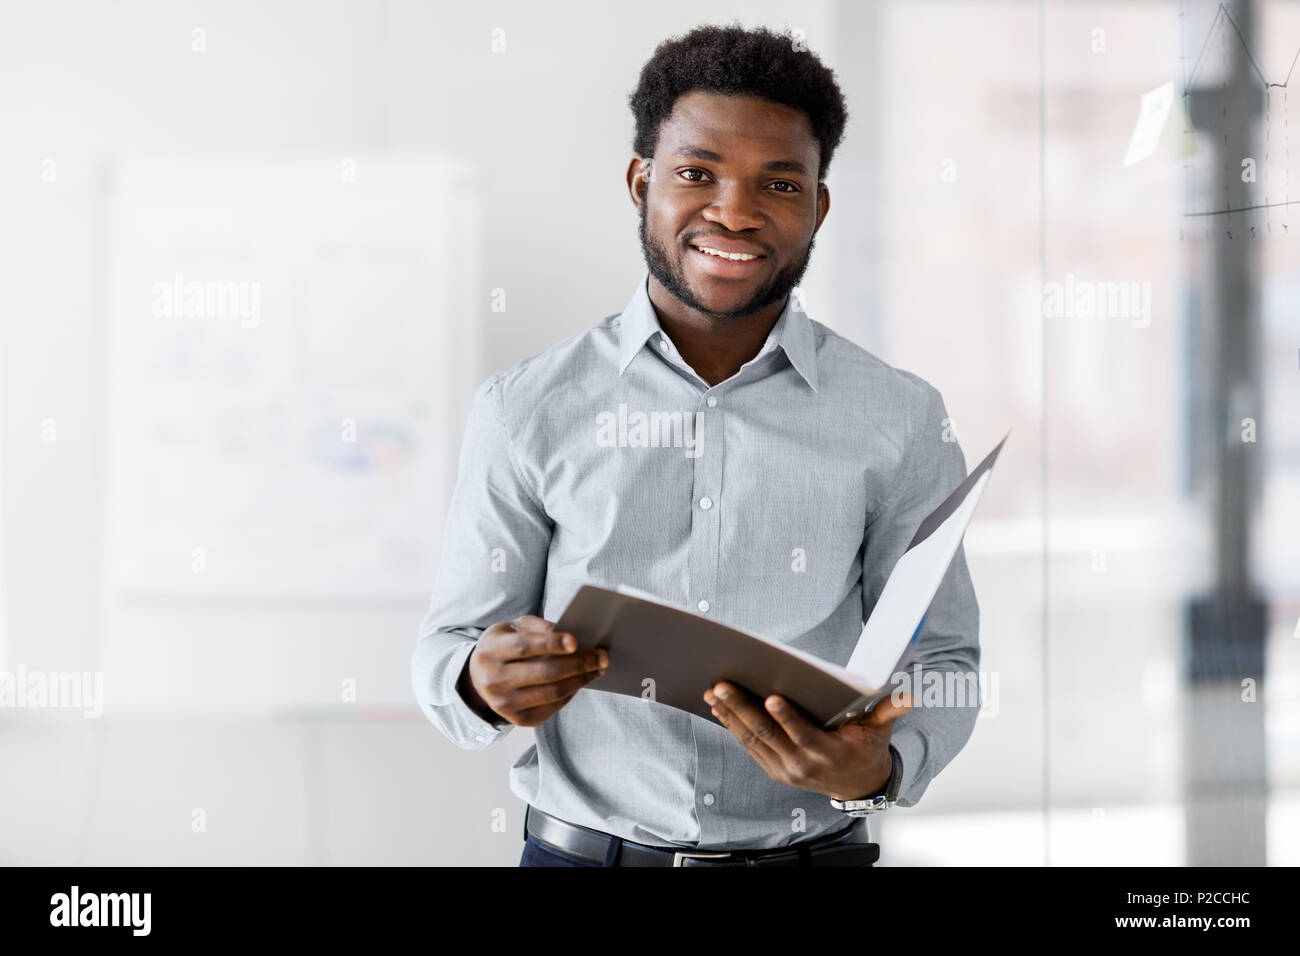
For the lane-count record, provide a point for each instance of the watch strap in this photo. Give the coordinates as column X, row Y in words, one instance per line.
column 891, row 787
column 884, row 798
column 895, row 781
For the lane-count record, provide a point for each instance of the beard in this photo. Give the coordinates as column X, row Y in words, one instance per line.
column 671, row 276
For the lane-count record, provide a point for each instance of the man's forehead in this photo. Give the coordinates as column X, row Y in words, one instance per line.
column 727, row 125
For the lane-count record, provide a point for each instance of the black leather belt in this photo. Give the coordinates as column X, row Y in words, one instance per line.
column 848, row 847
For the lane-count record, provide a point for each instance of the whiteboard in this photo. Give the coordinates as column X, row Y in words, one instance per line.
column 289, row 351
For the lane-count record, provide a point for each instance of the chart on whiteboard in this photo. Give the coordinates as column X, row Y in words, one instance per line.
column 1249, row 126
column 287, row 358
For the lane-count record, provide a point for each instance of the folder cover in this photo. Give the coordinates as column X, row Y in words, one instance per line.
column 666, row 654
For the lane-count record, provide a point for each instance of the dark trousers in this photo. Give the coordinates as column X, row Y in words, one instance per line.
column 537, row 853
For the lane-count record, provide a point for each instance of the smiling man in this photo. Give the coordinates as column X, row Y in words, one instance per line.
column 816, row 463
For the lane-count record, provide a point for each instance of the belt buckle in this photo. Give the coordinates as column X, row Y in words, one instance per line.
column 678, row 857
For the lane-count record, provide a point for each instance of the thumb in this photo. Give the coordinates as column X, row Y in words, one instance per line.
column 888, row 710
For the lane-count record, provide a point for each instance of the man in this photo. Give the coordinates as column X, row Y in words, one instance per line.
column 806, row 467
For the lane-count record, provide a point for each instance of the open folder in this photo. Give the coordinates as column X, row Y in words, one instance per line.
column 665, row 653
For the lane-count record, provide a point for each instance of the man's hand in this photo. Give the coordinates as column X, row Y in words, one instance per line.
column 523, row 671
column 846, row 764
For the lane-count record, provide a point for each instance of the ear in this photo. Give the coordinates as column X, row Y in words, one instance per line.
column 639, row 173
column 823, row 204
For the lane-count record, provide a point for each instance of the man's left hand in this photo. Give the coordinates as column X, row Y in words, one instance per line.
column 846, row 764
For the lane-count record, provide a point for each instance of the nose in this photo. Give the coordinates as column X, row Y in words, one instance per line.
column 735, row 208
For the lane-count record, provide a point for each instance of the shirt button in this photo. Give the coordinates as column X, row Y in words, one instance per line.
column 663, row 345
column 706, row 503
column 708, row 799
column 712, row 401
column 703, row 606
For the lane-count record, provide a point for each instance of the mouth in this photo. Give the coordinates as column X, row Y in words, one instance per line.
column 729, row 265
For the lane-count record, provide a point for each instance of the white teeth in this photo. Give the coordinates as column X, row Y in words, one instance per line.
column 735, row 256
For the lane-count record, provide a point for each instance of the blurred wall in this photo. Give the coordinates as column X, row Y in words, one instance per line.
column 86, row 85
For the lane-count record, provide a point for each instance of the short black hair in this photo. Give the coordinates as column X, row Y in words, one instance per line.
column 734, row 61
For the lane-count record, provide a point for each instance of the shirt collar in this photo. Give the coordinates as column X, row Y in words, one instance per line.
column 792, row 332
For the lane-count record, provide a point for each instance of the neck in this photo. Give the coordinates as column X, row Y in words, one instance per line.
column 714, row 347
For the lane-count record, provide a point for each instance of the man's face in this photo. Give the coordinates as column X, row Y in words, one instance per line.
column 734, row 174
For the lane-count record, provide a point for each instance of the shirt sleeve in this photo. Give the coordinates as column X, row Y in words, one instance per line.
column 495, row 547
column 927, row 738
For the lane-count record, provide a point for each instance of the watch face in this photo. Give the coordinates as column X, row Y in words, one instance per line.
column 870, row 805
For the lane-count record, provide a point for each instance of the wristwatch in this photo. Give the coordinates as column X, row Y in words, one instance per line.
column 877, row 802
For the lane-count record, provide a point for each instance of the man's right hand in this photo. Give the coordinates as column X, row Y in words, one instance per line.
column 523, row 671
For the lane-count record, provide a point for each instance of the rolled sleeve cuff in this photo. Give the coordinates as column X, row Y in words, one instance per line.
column 444, row 705
column 911, row 746
column 475, row 724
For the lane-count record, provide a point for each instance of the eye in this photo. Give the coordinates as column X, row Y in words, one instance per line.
column 688, row 174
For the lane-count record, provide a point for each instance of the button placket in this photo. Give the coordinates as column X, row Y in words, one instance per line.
column 707, row 510
column 706, row 515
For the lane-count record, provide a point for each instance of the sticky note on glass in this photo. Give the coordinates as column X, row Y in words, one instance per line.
column 1153, row 114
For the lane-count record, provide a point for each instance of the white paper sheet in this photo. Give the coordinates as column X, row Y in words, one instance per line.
column 907, row 594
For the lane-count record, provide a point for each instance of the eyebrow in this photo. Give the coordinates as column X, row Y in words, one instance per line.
column 776, row 165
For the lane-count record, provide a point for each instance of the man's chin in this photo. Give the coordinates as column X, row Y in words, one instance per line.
column 727, row 297
column 729, row 309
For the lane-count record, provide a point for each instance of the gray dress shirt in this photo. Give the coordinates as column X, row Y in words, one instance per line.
column 777, row 501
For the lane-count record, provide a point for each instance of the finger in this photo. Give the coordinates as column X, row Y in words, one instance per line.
column 762, row 754
column 530, row 672
column 501, row 640
column 802, row 732
column 557, row 691
column 536, row 715
column 531, row 622
column 521, row 645
column 752, row 718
